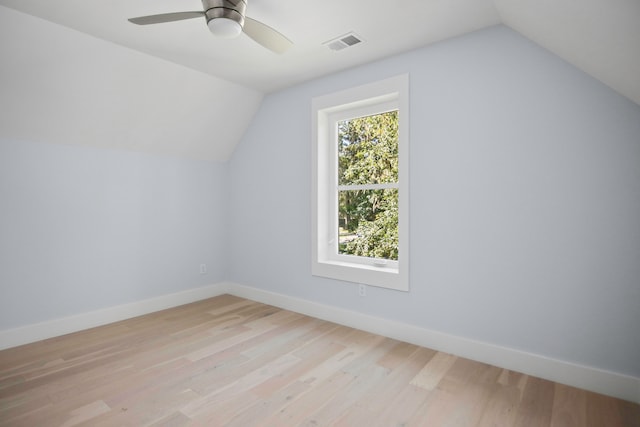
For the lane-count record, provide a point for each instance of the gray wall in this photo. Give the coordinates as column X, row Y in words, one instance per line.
column 89, row 228
column 525, row 202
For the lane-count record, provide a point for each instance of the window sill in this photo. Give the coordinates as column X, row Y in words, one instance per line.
column 384, row 277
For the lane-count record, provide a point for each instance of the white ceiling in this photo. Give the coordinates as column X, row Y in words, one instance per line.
column 601, row 37
column 308, row 23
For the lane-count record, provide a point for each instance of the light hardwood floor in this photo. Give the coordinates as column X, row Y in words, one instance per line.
column 230, row 361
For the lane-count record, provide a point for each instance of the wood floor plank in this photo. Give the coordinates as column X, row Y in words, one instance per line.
column 502, row 405
column 267, row 407
column 398, row 381
column 429, row 377
column 323, row 352
column 602, row 410
column 298, row 409
column 231, row 361
column 177, row 419
column 248, row 395
column 23, row 406
column 434, row 408
column 537, row 403
column 242, row 385
column 344, row 358
column 87, row 412
column 569, row 407
column 144, row 409
column 344, row 399
column 461, row 395
column 400, row 399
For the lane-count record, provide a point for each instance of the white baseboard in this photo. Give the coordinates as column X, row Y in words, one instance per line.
column 584, row 377
column 66, row 325
column 588, row 378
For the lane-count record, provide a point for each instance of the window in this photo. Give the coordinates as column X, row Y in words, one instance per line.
column 360, row 189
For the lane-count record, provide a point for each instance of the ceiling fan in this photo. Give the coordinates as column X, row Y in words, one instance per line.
column 226, row 18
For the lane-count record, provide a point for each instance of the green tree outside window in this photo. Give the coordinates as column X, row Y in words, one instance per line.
column 368, row 154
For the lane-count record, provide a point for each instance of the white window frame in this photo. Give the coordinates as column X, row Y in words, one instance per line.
column 374, row 98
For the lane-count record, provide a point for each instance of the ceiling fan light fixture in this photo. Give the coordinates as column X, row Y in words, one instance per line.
column 226, row 28
column 226, row 19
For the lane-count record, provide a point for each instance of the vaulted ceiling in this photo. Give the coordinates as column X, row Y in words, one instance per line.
column 601, row 37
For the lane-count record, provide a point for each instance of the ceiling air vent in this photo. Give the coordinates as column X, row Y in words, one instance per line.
column 343, row 41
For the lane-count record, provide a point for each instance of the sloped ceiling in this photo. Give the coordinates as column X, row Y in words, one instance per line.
column 60, row 86
column 307, row 23
column 602, row 37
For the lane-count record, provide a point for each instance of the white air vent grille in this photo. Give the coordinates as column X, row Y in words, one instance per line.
column 343, row 41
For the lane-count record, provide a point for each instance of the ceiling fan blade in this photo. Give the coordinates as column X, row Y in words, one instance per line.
column 165, row 17
column 266, row 36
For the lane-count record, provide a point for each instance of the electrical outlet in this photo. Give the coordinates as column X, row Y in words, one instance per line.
column 362, row 290
column 203, row 268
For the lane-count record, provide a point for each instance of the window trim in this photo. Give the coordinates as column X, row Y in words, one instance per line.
column 373, row 98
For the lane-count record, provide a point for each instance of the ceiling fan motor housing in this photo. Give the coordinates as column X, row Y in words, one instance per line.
column 230, row 9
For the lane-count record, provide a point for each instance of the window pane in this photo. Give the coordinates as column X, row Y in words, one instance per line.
column 368, row 149
column 368, row 223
